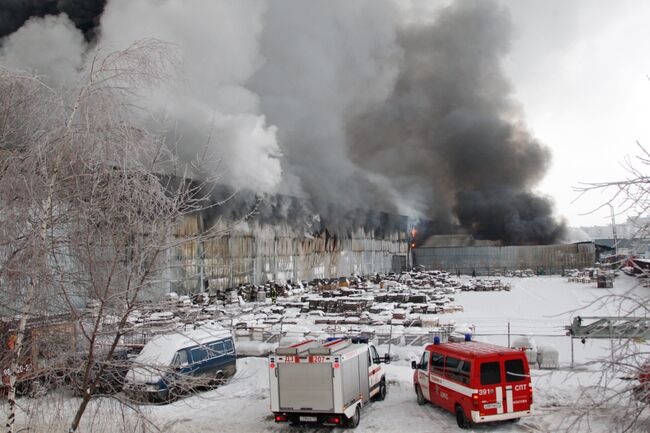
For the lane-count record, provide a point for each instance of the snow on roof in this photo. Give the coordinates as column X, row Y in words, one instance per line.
column 160, row 350
column 475, row 348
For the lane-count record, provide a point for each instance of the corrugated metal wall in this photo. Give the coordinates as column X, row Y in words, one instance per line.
column 488, row 260
column 251, row 253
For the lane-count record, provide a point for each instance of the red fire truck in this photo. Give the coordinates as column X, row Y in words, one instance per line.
column 479, row 382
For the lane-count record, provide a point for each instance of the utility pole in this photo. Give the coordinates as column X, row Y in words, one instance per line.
column 201, row 251
column 611, row 208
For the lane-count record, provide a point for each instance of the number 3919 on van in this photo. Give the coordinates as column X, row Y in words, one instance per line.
column 478, row 382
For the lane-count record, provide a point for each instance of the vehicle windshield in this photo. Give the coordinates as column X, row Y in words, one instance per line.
column 424, row 362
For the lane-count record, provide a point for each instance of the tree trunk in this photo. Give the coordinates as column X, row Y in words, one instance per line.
column 27, row 308
column 17, row 351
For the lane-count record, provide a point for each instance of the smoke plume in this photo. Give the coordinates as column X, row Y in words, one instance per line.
column 337, row 103
column 51, row 46
column 83, row 13
column 451, row 139
column 326, row 61
column 212, row 110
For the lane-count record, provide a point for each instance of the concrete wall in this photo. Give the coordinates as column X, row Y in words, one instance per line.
column 248, row 252
column 486, row 260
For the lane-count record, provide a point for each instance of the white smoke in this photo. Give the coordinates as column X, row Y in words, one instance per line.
column 326, row 61
column 213, row 111
column 51, row 47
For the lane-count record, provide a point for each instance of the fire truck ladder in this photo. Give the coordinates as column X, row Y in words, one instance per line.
column 298, row 349
column 312, row 347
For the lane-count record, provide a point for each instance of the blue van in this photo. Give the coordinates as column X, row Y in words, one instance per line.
column 174, row 363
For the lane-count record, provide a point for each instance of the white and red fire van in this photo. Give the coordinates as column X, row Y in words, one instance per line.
column 479, row 382
column 325, row 383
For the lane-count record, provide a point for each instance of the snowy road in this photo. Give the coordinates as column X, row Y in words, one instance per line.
column 243, row 406
column 535, row 305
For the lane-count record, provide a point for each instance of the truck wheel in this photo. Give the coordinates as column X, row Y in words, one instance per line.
column 418, row 393
column 219, row 379
column 461, row 418
column 381, row 395
column 353, row 422
column 173, row 394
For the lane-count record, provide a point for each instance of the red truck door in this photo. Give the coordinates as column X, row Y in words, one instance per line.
column 490, row 389
column 518, row 394
column 423, row 375
column 439, row 395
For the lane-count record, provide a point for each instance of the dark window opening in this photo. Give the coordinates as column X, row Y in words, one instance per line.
column 437, row 362
column 451, row 368
column 490, row 373
column 515, row 370
column 199, row 354
column 463, row 372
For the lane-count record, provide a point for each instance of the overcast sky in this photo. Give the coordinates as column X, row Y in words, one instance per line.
column 580, row 70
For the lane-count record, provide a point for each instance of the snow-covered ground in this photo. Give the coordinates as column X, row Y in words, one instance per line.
column 539, row 306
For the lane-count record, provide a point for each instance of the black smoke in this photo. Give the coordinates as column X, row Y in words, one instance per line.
column 309, row 216
column 516, row 218
column 83, row 13
column 451, row 137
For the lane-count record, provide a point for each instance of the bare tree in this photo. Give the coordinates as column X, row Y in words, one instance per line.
column 25, row 222
column 89, row 212
column 624, row 385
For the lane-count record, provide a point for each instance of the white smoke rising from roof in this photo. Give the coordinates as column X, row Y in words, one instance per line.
column 218, row 42
column 50, row 46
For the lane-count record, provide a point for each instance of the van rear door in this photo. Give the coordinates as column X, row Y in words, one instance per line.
column 490, row 391
column 518, row 393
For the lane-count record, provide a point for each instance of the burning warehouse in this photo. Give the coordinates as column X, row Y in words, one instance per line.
column 414, row 120
column 281, row 239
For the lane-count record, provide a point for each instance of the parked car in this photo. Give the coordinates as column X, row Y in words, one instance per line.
column 172, row 364
column 479, row 382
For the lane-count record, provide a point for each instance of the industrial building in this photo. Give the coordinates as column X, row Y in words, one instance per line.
column 461, row 253
column 283, row 249
column 253, row 251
